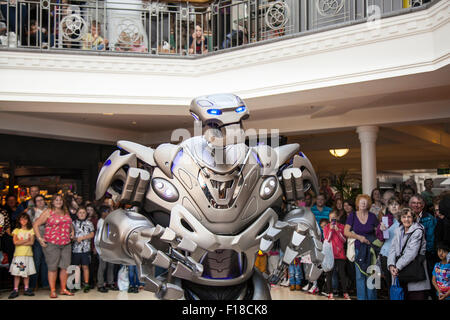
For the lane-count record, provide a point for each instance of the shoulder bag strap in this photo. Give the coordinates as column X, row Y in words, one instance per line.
column 409, row 236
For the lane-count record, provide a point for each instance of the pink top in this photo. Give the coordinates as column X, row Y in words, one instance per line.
column 57, row 229
column 337, row 239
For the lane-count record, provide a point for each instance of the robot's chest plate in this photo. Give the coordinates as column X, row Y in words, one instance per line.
column 224, row 202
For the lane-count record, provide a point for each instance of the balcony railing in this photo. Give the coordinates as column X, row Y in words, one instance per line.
column 180, row 28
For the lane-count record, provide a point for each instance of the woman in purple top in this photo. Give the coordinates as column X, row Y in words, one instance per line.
column 361, row 226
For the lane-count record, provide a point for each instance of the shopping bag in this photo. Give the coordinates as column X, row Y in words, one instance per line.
column 123, row 280
column 351, row 250
column 328, row 260
column 396, row 292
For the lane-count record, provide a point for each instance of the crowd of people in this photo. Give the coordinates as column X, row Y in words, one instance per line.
column 76, row 24
column 40, row 241
column 375, row 242
column 370, row 244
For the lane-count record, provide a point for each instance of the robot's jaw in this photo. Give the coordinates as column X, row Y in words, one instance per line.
column 224, row 135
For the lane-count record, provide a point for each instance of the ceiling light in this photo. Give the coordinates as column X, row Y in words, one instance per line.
column 108, row 113
column 339, row 153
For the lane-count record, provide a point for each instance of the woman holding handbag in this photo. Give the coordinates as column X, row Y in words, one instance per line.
column 406, row 257
column 361, row 226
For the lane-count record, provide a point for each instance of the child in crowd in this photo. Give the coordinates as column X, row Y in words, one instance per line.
column 93, row 267
column 334, row 233
column 22, row 264
column 81, row 247
column 441, row 273
column 103, row 265
column 295, row 275
column 323, row 223
column 93, row 40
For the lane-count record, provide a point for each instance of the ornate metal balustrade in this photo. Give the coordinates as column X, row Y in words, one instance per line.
column 169, row 27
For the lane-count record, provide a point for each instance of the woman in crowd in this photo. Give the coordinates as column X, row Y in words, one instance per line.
column 56, row 242
column 349, row 207
column 38, row 253
column 361, row 226
column 338, row 208
column 392, row 215
column 377, row 205
column 334, row 233
column 409, row 238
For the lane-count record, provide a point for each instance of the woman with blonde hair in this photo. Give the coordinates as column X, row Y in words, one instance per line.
column 56, row 242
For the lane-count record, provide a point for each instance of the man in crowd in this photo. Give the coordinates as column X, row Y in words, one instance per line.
column 417, row 204
column 27, row 205
column 319, row 209
column 406, row 195
column 428, row 194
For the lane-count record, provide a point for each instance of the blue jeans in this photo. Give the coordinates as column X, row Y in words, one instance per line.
column 295, row 274
column 362, row 292
column 133, row 276
column 40, row 265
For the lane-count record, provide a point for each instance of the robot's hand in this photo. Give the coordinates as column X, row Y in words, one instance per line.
column 141, row 246
column 297, row 239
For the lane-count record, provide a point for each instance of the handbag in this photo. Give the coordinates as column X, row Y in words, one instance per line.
column 414, row 271
column 396, row 292
column 351, row 255
column 123, row 280
column 328, row 260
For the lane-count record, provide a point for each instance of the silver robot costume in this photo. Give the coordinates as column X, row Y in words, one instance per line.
column 203, row 208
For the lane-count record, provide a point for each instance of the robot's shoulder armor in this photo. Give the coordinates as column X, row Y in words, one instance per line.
column 286, row 152
column 143, row 153
column 270, row 159
column 111, row 171
column 165, row 155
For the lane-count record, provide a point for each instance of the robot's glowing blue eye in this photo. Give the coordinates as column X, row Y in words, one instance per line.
column 215, row 112
column 240, row 109
column 107, row 163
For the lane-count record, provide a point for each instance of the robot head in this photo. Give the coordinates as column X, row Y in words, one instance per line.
column 222, row 114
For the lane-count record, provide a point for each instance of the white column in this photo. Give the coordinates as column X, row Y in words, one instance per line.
column 368, row 137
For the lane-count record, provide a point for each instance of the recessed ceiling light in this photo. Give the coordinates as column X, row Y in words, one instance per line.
column 134, row 122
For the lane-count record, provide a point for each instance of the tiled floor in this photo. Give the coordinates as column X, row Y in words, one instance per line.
column 278, row 293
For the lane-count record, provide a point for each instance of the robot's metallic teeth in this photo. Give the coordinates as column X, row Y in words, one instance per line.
column 297, row 239
column 161, row 260
column 187, row 245
column 289, row 255
column 265, row 245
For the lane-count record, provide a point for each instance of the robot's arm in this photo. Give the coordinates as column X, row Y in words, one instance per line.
column 127, row 237
column 299, row 235
column 298, row 232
